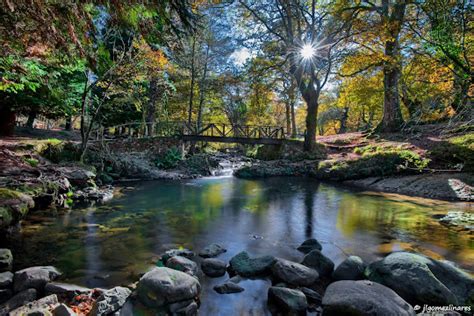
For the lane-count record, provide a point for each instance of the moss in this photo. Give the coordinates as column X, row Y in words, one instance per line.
column 6, row 217
column 58, row 151
column 372, row 164
column 455, row 152
column 32, row 162
column 9, row 194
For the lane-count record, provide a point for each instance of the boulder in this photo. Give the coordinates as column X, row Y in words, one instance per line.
column 312, row 296
column 177, row 252
column 6, row 279
column 5, row 295
column 309, row 245
column 6, row 259
column 294, row 273
column 211, row 251
column 162, row 286
column 78, row 176
column 350, row 269
column 188, row 310
column 182, row 264
column 316, row 260
column 34, row 277
column 110, row 301
column 421, row 280
column 245, row 266
column 39, row 307
column 361, row 298
column 213, row 267
column 228, row 288
column 289, row 300
column 63, row 310
column 18, row 300
column 65, row 290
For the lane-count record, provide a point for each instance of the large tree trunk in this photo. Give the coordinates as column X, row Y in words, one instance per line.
column 344, row 117
column 461, row 102
column 311, row 98
column 392, row 116
column 202, row 89
column 288, row 117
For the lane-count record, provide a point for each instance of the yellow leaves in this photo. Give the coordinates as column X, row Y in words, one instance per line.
column 153, row 60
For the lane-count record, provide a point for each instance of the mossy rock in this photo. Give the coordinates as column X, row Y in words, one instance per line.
column 14, row 206
column 454, row 151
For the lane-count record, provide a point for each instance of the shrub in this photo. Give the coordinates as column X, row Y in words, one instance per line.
column 169, row 160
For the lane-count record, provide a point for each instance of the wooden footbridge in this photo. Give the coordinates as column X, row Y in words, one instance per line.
column 208, row 132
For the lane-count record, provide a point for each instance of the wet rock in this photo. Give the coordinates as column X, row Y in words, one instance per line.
column 162, row 286
column 291, row 301
column 18, row 300
column 350, row 269
column 316, row 260
column 5, row 295
column 421, row 280
column 14, row 206
column 34, row 277
column 245, row 266
column 78, row 176
column 175, row 307
column 294, row 273
column 63, row 310
column 65, row 290
column 228, row 288
column 39, row 307
column 310, row 245
column 360, row 298
column 6, row 279
column 177, row 252
column 213, row 250
column 213, row 267
column 460, row 220
column 235, row 279
column 6, row 260
column 182, row 264
column 110, row 301
column 311, row 295
column 189, row 310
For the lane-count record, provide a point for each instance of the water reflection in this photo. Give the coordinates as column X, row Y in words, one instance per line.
column 114, row 243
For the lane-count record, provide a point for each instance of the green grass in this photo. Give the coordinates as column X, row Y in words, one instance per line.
column 455, row 152
column 32, row 162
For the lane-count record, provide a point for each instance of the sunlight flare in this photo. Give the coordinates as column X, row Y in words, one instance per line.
column 307, row 51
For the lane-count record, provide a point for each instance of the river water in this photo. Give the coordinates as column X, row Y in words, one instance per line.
column 114, row 243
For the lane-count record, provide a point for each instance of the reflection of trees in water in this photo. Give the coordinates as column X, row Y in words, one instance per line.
column 309, row 193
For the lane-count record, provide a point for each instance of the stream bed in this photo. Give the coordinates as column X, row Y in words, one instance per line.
column 114, row 243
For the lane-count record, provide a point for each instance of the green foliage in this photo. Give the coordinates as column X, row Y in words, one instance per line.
column 169, row 159
column 410, row 158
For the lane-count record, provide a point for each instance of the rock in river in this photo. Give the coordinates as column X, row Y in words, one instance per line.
column 34, row 277
column 211, row 251
column 245, row 266
column 350, row 269
column 18, row 300
column 310, row 245
column 162, row 286
column 6, row 279
column 110, row 301
column 182, row 264
column 177, row 252
column 294, row 273
column 228, row 288
column 39, row 307
column 65, row 290
column 361, row 298
column 291, row 301
column 213, row 267
column 316, row 260
column 6, row 259
column 422, row 280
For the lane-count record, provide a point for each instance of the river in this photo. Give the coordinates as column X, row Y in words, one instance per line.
column 113, row 244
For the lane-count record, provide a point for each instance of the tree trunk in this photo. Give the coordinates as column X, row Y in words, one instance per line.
column 151, row 109
column 7, row 120
column 193, row 75
column 31, row 119
column 311, row 99
column 288, row 117
column 68, row 125
column 392, row 116
column 461, row 99
column 344, row 117
column 202, row 89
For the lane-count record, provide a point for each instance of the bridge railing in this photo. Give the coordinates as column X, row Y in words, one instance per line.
column 180, row 128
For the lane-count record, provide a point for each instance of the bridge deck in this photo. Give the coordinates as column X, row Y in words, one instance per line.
column 209, row 132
